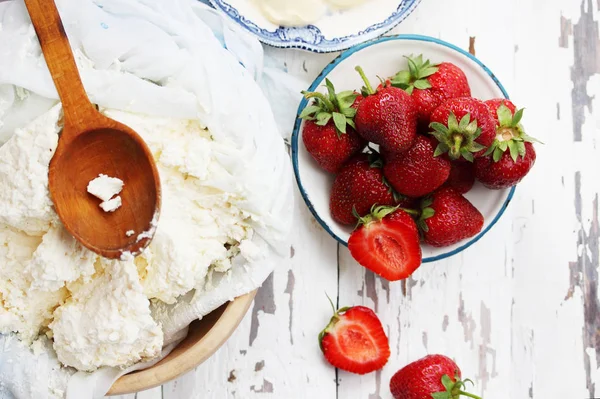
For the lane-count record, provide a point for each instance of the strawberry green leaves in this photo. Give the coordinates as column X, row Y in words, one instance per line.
column 516, row 148
column 340, row 121
column 334, row 106
column 457, row 139
column 426, row 213
column 453, row 389
column 416, row 75
column 505, row 116
column 334, row 319
column 377, row 213
column 510, row 135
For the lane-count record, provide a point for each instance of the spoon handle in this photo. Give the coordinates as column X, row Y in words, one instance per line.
column 77, row 107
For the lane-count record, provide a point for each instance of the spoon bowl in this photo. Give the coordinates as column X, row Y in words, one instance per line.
column 111, row 152
column 92, row 144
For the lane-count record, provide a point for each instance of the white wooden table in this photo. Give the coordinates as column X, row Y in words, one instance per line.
column 519, row 311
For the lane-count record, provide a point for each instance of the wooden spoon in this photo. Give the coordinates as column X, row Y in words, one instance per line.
column 91, row 144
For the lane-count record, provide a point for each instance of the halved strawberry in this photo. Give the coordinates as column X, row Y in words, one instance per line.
column 387, row 243
column 354, row 340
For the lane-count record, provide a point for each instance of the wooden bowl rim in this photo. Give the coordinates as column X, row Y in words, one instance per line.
column 169, row 369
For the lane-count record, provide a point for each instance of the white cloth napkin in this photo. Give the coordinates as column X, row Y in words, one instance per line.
column 207, row 69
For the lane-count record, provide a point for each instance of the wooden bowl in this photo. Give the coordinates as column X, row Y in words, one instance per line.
column 204, row 338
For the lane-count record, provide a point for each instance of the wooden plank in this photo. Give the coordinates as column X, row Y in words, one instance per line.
column 520, row 308
column 459, row 307
column 154, row 393
column 274, row 353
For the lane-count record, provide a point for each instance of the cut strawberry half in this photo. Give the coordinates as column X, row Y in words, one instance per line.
column 354, row 341
column 387, row 243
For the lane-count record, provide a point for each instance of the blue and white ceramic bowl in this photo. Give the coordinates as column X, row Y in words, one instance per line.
column 384, row 57
column 334, row 32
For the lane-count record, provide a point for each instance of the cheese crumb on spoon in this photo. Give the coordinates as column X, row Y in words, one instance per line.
column 112, row 204
column 105, row 188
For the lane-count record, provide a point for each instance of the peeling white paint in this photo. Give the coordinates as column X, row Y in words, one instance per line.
column 510, row 310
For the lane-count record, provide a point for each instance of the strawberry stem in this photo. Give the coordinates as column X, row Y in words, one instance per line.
column 458, row 140
column 364, row 78
column 411, row 212
column 470, row 395
column 322, row 97
column 331, row 302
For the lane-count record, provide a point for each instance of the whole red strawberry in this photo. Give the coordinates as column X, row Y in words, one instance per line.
column 387, row 243
column 358, row 186
column 510, row 158
column 434, row 376
column 464, row 127
column 418, row 171
column 495, row 103
column 447, row 218
column 386, row 117
column 354, row 341
column 462, row 177
column 430, row 84
column 329, row 133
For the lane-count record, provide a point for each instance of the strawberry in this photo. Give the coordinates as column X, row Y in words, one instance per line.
column 495, row 103
column 464, row 127
column 329, row 133
column 386, row 116
column 506, row 171
column 511, row 156
column 462, row 177
column 387, row 243
column 434, row 376
column 354, row 341
column 447, row 218
column 417, row 172
column 430, row 84
column 358, row 186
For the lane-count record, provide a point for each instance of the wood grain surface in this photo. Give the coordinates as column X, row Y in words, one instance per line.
column 519, row 311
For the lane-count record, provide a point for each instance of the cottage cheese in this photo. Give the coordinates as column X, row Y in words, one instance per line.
column 105, row 187
column 198, row 221
column 23, row 307
column 292, row 12
column 25, row 203
column 98, row 310
column 344, row 4
column 107, row 322
column 300, row 13
column 112, row 204
column 58, row 260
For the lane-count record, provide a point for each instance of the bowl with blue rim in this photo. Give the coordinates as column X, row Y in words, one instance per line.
column 337, row 30
column 385, row 57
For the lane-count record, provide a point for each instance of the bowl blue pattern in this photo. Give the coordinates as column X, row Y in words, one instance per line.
column 310, row 37
column 321, row 78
